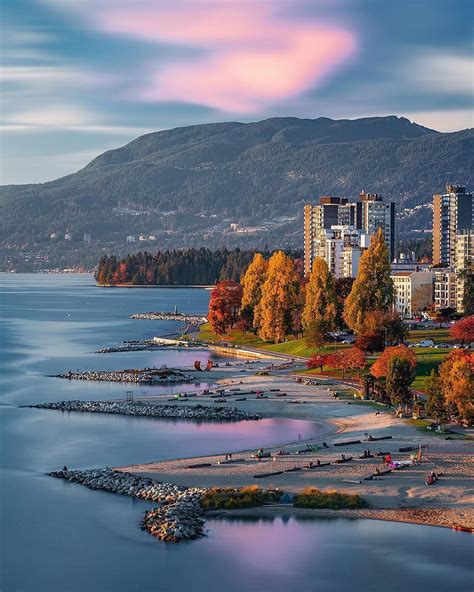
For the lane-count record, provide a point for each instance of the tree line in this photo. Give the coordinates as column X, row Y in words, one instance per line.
column 176, row 267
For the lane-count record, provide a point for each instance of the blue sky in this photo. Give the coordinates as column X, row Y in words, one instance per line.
column 83, row 76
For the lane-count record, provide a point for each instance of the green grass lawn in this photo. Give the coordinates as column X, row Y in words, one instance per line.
column 427, row 357
column 292, row 347
column 437, row 335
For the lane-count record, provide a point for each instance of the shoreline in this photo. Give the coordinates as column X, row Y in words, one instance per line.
column 401, row 496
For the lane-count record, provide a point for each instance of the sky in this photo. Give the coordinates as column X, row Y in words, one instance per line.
column 79, row 77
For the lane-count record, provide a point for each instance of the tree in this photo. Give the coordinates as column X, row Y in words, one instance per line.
column 252, row 282
column 422, row 297
column 456, row 375
column 319, row 313
column 371, row 343
column 342, row 288
column 435, row 406
column 274, row 314
column 380, row 367
column 315, row 333
column 347, row 359
column 463, row 330
column 373, row 288
column 317, row 361
column 466, row 277
column 400, row 374
column 224, row 306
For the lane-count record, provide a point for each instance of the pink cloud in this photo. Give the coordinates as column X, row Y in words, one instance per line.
column 249, row 54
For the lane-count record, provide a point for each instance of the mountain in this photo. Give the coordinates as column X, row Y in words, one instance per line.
column 186, row 186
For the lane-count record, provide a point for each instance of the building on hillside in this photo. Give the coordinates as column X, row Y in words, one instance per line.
column 464, row 263
column 130, row 239
column 445, row 288
column 413, row 291
column 452, row 214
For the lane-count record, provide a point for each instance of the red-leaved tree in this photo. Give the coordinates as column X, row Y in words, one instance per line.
column 463, row 330
column 224, row 306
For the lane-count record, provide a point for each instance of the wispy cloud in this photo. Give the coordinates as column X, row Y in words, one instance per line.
column 248, row 55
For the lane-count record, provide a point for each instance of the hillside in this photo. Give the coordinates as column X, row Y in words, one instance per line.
column 186, row 186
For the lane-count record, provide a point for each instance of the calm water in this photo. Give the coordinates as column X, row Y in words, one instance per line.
column 61, row 537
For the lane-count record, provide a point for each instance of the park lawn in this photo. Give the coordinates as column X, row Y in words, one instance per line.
column 427, row 357
column 291, row 347
column 437, row 335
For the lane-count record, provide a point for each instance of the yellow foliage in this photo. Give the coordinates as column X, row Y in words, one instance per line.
column 280, row 298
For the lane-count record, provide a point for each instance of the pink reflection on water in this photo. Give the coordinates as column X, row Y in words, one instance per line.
column 279, row 546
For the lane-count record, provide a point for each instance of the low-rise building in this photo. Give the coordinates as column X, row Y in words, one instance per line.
column 413, row 291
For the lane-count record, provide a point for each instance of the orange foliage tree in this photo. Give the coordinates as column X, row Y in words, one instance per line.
column 274, row 315
column 224, row 306
column 380, row 367
column 463, row 330
column 456, row 376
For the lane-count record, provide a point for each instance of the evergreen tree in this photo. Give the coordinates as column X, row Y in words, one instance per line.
column 319, row 313
column 435, row 406
column 400, row 374
column 274, row 314
column 373, row 289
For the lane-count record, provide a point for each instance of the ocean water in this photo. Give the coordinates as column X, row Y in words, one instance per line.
column 56, row 536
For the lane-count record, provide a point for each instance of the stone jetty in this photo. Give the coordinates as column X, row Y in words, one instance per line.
column 139, row 409
column 191, row 319
column 145, row 375
column 130, row 346
column 178, row 516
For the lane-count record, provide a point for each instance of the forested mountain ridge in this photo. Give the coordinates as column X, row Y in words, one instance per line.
column 231, row 184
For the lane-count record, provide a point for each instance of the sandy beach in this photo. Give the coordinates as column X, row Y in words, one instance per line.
column 401, row 495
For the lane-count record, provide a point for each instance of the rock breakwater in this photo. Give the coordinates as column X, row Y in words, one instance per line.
column 178, row 516
column 131, row 346
column 191, row 319
column 139, row 409
column 145, row 375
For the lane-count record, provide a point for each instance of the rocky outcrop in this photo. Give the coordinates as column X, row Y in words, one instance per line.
column 178, row 516
column 145, row 375
column 196, row 412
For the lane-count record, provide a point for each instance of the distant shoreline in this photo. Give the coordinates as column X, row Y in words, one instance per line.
column 191, row 286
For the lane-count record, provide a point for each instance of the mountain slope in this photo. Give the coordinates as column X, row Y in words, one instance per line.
column 186, row 185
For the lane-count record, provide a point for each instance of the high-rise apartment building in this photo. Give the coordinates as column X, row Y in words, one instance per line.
column 372, row 213
column 323, row 223
column 329, row 212
column 452, row 214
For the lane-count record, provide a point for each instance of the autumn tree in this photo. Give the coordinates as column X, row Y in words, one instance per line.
column 373, row 288
column 456, row 375
column 380, row 367
column 347, row 360
column 370, row 343
column 463, row 330
column 224, row 306
column 400, row 374
column 274, row 314
column 422, row 297
column 317, row 361
column 319, row 313
column 252, row 282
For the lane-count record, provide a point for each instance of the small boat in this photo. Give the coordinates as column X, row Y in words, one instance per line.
column 339, row 461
